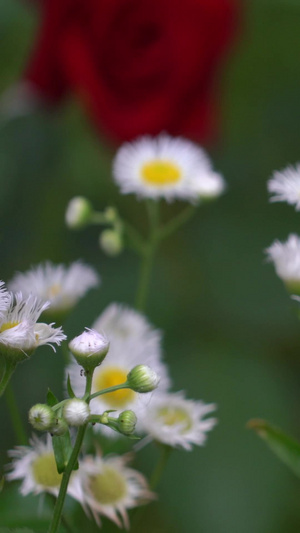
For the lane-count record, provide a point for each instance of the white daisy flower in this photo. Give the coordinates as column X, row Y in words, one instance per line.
column 35, row 466
column 286, row 259
column 167, row 167
column 4, row 299
column 20, row 334
column 60, row 285
column 178, row 422
column 106, row 486
column 133, row 341
column 285, row 184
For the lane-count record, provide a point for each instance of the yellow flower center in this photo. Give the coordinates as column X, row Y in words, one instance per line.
column 8, row 325
column 54, row 290
column 161, row 172
column 45, row 472
column 171, row 416
column 108, row 487
column 110, row 377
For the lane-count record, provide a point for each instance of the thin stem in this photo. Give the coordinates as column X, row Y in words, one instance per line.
column 175, row 223
column 135, row 239
column 160, row 465
column 109, row 389
column 16, row 419
column 144, row 279
column 71, row 464
column 8, row 371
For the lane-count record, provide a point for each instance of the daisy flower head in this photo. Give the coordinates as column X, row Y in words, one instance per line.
column 60, row 285
column 178, row 422
column 20, row 333
column 165, row 167
column 285, row 184
column 286, row 259
column 107, row 486
column 35, row 465
column 133, row 341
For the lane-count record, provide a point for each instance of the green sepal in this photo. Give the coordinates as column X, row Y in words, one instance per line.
column 62, row 448
column 285, row 447
column 51, row 398
column 69, row 388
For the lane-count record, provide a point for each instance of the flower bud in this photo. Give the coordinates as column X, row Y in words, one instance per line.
column 89, row 348
column 76, row 412
column 111, row 242
column 126, row 422
column 78, row 212
column 142, row 379
column 59, row 428
column 41, row 417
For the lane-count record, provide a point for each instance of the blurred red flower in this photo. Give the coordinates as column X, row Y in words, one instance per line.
column 139, row 66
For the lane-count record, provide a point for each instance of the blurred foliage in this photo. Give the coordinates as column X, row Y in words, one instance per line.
column 230, row 331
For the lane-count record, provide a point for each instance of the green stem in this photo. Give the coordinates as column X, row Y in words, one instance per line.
column 8, row 371
column 109, row 389
column 16, row 419
column 175, row 223
column 71, row 465
column 160, row 466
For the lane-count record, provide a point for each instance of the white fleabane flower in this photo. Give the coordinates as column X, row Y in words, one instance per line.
column 286, row 259
column 20, row 334
column 178, row 422
column 167, row 167
column 4, row 299
column 106, row 486
column 285, row 184
column 35, row 466
column 133, row 341
column 60, row 285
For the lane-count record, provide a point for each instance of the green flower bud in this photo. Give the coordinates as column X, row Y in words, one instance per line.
column 142, row 379
column 76, row 412
column 59, row 428
column 78, row 213
column 89, row 349
column 126, row 422
column 111, row 242
column 41, row 417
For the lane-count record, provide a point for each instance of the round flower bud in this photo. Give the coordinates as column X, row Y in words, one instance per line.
column 59, row 428
column 111, row 214
column 111, row 242
column 76, row 412
column 89, row 348
column 78, row 212
column 41, row 417
column 142, row 379
column 126, row 422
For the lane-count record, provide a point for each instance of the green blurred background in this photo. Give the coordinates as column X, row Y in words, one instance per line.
column 231, row 334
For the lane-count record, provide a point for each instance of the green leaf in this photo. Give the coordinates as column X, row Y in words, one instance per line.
column 69, row 387
column 51, row 398
column 285, row 447
column 62, row 448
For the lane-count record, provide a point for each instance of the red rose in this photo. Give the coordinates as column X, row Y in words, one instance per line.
column 139, row 66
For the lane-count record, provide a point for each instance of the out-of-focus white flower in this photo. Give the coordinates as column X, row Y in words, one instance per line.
column 286, row 259
column 178, row 422
column 60, row 285
column 285, row 184
column 89, row 348
column 133, row 341
column 76, row 412
column 165, row 166
column 20, row 334
column 106, row 486
column 35, row 466
column 78, row 212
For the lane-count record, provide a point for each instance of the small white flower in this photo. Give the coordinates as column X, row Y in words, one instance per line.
column 78, row 213
column 178, row 422
column 60, row 285
column 20, row 334
column 89, row 348
column 133, row 341
column 285, row 184
column 106, row 486
column 35, row 466
column 286, row 259
column 76, row 412
column 165, row 166
column 4, row 299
